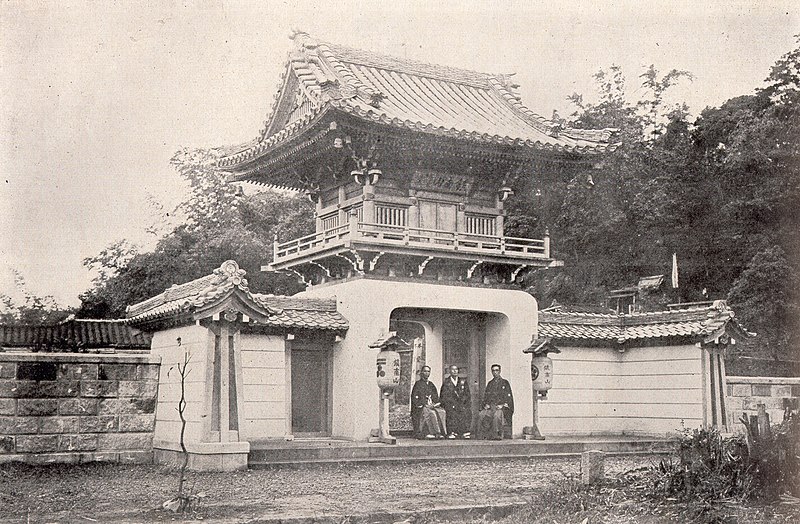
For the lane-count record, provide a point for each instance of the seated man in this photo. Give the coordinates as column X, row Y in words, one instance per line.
column 427, row 414
column 456, row 401
column 498, row 406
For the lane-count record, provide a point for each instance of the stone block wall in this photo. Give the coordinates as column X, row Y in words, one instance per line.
column 72, row 407
column 744, row 394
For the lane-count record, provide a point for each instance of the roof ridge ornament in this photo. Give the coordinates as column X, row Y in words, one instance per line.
column 230, row 272
column 302, row 38
column 512, row 87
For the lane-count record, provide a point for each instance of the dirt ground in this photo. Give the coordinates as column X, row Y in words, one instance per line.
column 543, row 488
column 105, row 492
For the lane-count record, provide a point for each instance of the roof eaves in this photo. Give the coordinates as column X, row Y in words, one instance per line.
column 462, row 134
column 280, row 138
column 695, row 323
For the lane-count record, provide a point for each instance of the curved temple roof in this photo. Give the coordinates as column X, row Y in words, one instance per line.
column 408, row 94
column 201, row 296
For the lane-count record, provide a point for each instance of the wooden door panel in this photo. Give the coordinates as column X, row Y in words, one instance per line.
column 310, row 392
column 446, row 217
column 427, row 215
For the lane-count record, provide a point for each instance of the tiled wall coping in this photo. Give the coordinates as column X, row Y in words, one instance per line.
column 789, row 381
column 82, row 358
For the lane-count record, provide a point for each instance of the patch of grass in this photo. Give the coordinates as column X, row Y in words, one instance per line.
column 631, row 498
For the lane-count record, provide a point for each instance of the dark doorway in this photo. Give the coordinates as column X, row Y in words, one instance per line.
column 464, row 345
column 310, row 392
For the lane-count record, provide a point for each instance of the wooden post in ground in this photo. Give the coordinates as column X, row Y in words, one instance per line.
column 764, row 432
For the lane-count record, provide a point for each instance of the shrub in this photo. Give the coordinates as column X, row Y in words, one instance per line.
column 712, row 467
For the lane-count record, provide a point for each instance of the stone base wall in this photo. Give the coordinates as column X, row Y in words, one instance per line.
column 744, row 394
column 72, row 407
column 204, row 456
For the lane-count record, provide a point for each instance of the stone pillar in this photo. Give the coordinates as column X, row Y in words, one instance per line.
column 592, row 467
column 369, row 204
column 413, row 213
column 318, row 213
column 461, row 218
column 340, row 206
column 210, row 442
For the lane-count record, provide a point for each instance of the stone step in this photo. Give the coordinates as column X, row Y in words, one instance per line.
column 407, row 450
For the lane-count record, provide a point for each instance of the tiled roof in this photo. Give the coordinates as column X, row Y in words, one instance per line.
column 207, row 291
column 172, row 299
column 693, row 322
column 650, row 283
column 413, row 95
column 80, row 333
column 308, row 313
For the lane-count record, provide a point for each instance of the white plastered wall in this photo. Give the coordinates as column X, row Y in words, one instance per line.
column 265, row 395
column 643, row 391
column 198, row 342
column 368, row 305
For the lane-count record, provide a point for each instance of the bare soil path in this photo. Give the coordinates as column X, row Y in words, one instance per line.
column 109, row 493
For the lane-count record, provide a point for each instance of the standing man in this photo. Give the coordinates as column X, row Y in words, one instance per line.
column 427, row 415
column 456, row 401
column 498, row 407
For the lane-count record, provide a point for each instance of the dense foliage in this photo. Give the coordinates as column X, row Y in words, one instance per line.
column 29, row 308
column 720, row 191
column 712, row 467
column 217, row 222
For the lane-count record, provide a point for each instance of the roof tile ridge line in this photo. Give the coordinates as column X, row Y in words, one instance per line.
column 161, row 298
column 324, row 301
column 283, row 135
column 276, row 98
column 341, row 71
column 666, row 313
column 384, row 62
column 271, row 310
column 596, row 135
column 100, row 320
column 538, row 121
column 582, row 314
column 144, row 305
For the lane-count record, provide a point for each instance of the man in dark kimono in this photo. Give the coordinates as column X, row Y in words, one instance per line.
column 456, row 401
column 427, row 415
column 498, row 407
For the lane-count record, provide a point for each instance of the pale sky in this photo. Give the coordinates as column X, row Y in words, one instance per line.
column 95, row 99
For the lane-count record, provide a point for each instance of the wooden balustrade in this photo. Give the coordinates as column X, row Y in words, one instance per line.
column 382, row 234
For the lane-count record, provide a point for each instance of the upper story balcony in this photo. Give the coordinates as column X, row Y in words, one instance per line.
column 363, row 237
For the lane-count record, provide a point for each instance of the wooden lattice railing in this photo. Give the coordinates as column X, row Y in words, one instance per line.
column 382, row 234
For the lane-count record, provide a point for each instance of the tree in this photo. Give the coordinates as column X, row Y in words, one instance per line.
column 33, row 309
column 745, row 189
column 721, row 192
column 765, row 296
column 614, row 224
column 783, row 82
column 218, row 222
